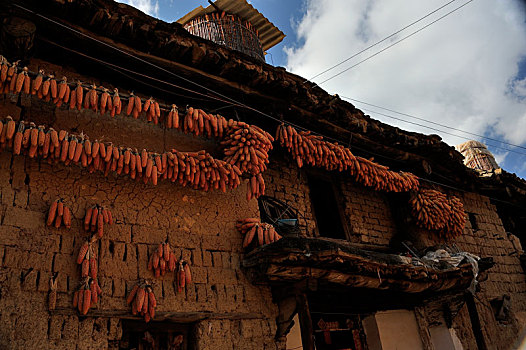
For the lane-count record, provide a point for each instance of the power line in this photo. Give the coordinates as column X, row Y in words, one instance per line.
column 379, row 42
column 121, row 70
column 118, row 69
column 227, row 103
column 235, row 102
column 211, row 90
column 251, row 108
column 145, row 61
column 305, row 129
column 435, row 129
column 183, row 78
column 396, row 42
column 461, row 190
column 113, row 66
column 435, row 123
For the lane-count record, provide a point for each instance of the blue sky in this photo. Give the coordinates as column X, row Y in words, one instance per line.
column 467, row 71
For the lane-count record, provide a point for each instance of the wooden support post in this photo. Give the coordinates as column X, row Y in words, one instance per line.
column 423, row 328
column 475, row 322
column 307, row 330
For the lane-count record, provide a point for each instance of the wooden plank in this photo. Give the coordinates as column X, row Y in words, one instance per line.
column 297, row 273
column 163, row 315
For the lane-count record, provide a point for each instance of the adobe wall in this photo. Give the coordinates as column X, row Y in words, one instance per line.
column 506, row 277
column 366, row 212
column 490, row 239
column 199, row 225
column 288, row 183
column 370, row 218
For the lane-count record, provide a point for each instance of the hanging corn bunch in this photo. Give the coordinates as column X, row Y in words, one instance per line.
column 59, row 214
column 142, row 300
column 254, row 230
column 313, row 150
column 198, row 170
column 87, row 295
column 434, row 211
column 95, row 219
column 162, row 260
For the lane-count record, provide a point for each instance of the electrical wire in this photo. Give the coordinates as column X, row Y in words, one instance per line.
column 236, row 103
column 167, row 107
column 160, row 89
column 241, row 104
column 230, row 105
column 461, row 190
column 379, row 42
column 438, row 130
column 113, row 66
column 120, row 68
column 146, row 62
column 289, row 123
column 395, row 43
column 389, row 158
column 432, row 122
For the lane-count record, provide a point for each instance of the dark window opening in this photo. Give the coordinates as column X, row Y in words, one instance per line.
column 513, row 220
column 154, row 335
column 502, row 307
column 473, row 221
column 326, row 208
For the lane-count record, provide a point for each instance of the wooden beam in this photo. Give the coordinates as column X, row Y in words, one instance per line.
column 333, row 263
column 277, row 273
column 162, row 315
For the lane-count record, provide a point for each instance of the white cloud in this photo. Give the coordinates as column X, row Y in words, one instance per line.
column 500, row 158
column 150, row 7
column 460, row 71
column 518, row 88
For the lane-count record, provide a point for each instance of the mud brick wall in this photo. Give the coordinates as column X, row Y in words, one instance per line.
column 288, row 183
column 237, row 334
column 491, row 239
column 488, row 239
column 368, row 213
column 506, row 277
column 198, row 225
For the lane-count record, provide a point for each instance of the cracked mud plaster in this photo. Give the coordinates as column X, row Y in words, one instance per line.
column 198, row 225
